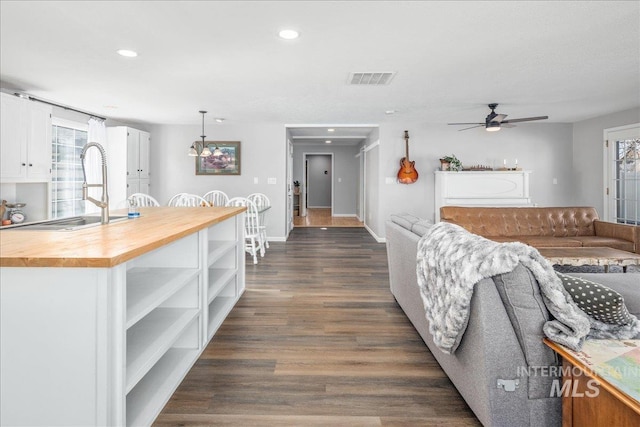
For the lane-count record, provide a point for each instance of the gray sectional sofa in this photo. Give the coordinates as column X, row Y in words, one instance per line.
column 498, row 367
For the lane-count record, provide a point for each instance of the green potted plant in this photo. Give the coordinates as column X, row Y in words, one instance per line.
column 450, row 163
column 296, row 187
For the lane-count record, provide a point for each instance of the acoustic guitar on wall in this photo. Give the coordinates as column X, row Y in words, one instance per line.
column 407, row 173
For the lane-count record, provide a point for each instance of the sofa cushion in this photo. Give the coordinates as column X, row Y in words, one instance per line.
column 520, row 294
column 412, row 223
column 501, row 239
column 523, row 221
column 598, row 301
column 404, row 220
column 551, row 242
column 421, row 227
column 607, row 242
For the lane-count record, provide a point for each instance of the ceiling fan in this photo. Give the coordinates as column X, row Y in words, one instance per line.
column 495, row 121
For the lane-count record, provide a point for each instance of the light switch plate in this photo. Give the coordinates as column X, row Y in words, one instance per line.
column 271, row 181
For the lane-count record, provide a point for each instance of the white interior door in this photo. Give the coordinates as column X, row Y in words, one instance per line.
column 622, row 174
column 289, row 187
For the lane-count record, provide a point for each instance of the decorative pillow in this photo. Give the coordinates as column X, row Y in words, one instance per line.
column 598, row 301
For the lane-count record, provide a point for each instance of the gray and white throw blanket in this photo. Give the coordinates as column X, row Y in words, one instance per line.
column 451, row 261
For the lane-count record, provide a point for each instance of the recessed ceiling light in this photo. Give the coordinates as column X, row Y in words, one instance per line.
column 328, row 141
column 390, row 112
column 127, row 53
column 288, row 34
column 219, row 119
column 331, row 130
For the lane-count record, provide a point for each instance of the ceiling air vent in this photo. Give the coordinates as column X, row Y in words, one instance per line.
column 371, row 78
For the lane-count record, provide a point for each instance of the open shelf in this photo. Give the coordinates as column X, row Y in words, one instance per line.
column 148, row 397
column 218, row 248
column 147, row 288
column 218, row 311
column 221, row 305
column 151, row 337
column 218, row 279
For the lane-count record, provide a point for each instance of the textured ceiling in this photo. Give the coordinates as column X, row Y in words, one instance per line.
column 568, row 60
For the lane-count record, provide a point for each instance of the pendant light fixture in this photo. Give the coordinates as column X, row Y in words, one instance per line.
column 202, row 146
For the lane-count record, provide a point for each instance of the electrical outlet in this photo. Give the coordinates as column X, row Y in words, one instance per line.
column 555, row 181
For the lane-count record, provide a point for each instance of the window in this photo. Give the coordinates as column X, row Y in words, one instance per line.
column 68, row 138
column 627, row 177
column 624, row 189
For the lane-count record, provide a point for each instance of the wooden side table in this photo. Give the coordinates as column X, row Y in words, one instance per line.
column 591, row 399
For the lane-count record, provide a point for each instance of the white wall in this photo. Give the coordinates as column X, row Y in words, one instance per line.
column 374, row 217
column 543, row 148
column 588, row 150
column 263, row 151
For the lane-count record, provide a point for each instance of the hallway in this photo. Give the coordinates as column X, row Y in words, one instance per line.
column 321, row 217
column 317, row 340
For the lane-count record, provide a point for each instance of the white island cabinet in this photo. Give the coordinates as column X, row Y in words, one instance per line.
column 103, row 335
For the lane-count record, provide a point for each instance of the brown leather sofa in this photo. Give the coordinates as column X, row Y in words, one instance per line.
column 543, row 227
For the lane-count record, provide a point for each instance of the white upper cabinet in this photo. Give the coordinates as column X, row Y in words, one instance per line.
column 25, row 141
column 137, row 153
column 128, row 160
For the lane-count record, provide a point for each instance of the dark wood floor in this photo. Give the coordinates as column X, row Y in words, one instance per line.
column 317, row 340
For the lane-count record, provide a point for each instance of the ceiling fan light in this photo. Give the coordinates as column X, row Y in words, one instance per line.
column 493, row 127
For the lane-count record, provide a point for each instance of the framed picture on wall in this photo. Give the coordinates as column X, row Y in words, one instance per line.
column 225, row 159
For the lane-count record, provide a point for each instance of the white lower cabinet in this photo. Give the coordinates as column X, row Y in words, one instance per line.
column 141, row 326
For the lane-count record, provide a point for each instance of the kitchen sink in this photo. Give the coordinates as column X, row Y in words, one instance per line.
column 66, row 224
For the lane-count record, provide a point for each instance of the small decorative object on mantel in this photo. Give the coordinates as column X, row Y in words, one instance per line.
column 477, row 168
column 407, row 173
column 450, row 163
column 296, row 187
column 505, row 168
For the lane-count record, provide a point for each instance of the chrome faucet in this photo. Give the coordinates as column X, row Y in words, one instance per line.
column 103, row 204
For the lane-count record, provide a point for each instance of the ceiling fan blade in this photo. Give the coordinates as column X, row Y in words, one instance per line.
column 465, row 123
column 499, row 118
column 476, row 126
column 526, row 119
column 506, row 125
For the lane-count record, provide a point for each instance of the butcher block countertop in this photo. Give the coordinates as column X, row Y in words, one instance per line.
column 107, row 245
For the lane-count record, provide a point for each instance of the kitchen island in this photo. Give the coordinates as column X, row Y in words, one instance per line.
column 99, row 326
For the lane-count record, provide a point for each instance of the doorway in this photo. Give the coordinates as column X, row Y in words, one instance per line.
column 344, row 145
column 622, row 174
column 318, row 181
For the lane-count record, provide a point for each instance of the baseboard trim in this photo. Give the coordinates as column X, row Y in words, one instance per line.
column 374, row 235
column 345, row 215
column 276, row 239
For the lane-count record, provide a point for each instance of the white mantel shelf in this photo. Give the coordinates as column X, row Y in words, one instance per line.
column 481, row 188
